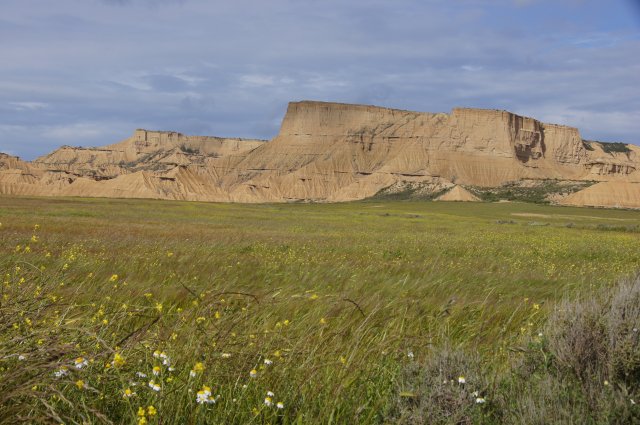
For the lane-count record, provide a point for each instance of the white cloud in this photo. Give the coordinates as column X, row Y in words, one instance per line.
column 27, row 106
column 257, row 80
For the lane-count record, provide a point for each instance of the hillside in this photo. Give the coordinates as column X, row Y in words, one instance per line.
column 327, row 152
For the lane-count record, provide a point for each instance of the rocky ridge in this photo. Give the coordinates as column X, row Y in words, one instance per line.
column 328, row 152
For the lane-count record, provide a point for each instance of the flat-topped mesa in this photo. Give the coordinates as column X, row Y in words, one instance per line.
column 330, row 152
column 144, row 150
column 497, row 132
column 337, row 119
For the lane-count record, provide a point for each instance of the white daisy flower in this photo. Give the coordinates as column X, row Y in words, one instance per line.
column 204, row 396
column 268, row 402
column 63, row 371
column 80, row 362
column 280, row 405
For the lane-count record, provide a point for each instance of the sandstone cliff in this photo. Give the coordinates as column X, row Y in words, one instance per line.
column 328, row 152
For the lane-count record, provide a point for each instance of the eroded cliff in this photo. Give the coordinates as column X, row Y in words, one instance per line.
column 327, row 152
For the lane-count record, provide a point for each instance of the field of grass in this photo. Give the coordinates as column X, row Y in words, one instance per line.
column 129, row 311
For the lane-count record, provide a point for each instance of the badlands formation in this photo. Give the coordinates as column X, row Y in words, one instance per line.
column 327, row 152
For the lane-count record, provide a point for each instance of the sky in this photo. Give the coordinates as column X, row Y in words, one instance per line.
column 89, row 72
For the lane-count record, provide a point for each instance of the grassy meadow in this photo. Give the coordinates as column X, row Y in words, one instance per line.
column 139, row 311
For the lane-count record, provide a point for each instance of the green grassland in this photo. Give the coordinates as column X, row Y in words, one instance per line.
column 332, row 306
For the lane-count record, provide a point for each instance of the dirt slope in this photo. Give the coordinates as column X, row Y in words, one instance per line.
column 458, row 193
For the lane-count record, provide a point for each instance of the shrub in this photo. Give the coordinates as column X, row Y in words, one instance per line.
column 447, row 387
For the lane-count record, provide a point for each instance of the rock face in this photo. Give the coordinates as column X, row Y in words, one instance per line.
column 327, row 152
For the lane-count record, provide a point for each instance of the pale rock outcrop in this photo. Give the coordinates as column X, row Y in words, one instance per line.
column 327, row 152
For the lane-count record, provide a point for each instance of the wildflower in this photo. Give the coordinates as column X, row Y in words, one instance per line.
column 204, row 396
column 280, row 405
column 462, row 380
column 142, row 421
column 156, row 370
column 410, row 355
column 151, row 411
column 156, row 354
column 21, row 357
column 113, row 278
column 323, row 321
column 253, row 373
column 128, row 393
column 192, row 373
column 480, row 400
column 141, row 375
column 159, row 307
column 225, row 355
column 343, row 360
column 80, row 362
column 171, row 368
column 606, row 383
column 313, row 297
column 536, row 306
column 217, row 315
column 34, row 238
column 154, row 386
column 141, row 412
column 268, row 402
column 268, row 362
column 270, row 394
column 63, row 371
column 118, row 360
column 198, row 367
column 286, row 323
column 80, row 384
column 200, row 319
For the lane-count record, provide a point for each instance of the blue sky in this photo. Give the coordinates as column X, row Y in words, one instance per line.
column 88, row 72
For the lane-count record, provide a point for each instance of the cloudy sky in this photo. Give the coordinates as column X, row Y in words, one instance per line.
column 88, row 72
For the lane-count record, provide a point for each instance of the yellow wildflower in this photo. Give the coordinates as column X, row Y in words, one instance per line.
column 118, row 360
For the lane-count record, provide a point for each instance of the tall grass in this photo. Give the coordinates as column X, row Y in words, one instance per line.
column 332, row 308
column 583, row 367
